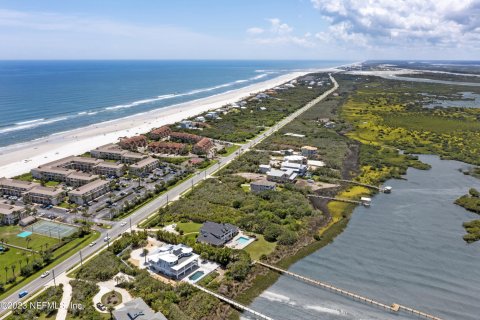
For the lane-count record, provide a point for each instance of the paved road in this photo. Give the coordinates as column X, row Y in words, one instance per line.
column 154, row 205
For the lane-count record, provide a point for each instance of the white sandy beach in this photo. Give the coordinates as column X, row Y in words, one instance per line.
column 20, row 158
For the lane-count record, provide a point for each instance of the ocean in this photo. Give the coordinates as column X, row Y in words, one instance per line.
column 40, row 98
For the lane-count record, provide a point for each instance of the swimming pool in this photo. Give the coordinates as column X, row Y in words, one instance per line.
column 197, row 275
column 24, row 234
column 242, row 240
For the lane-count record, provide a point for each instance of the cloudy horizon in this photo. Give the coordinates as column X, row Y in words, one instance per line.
column 316, row 29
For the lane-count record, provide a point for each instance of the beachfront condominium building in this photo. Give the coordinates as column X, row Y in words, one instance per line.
column 144, row 166
column 88, row 192
column 109, row 151
column 174, row 261
column 160, row 133
column 109, row 169
column 262, row 185
column 203, row 146
column 10, row 214
column 45, row 195
column 78, row 178
column 217, row 234
column 167, row 147
column 16, row 188
column 133, row 143
column 185, row 137
column 114, row 152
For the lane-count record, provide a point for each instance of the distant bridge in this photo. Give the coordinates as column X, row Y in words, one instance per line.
column 392, row 308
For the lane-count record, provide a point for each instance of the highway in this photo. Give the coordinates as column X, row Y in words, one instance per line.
column 145, row 211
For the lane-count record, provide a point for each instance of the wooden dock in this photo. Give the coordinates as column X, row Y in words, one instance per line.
column 392, row 308
column 235, row 304
column 338, row 199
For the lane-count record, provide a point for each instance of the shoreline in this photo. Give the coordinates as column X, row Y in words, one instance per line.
column 20, row 158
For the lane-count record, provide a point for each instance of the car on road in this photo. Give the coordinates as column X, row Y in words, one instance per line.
column 123, row 224
column 92, row 243
column 100, row 306
column 22, row 294
column 106, row 238
column 45, row 274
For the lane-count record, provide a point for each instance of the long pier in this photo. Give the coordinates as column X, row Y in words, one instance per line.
column 337, row 199
column 392, row 308
column 235, row 304
column 360, row 184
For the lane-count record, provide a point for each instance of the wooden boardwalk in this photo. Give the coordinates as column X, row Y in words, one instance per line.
column 337, row 199
column 235, row 304
column 392, row 308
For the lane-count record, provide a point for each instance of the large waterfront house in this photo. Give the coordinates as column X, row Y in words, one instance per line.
column 217, row 234
column 174, row 261
column 136, row 309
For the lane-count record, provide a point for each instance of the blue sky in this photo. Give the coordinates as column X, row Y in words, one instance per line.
column 240, row 29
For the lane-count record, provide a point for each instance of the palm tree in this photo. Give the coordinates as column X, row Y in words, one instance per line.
column 13, row 270
column 6, row 272
column 28, row 239
column 145, row 252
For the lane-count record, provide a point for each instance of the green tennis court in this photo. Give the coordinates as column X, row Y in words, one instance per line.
column 51, row 229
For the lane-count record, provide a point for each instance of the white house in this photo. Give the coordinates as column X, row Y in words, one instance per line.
column 299, row 168
column 174, row 261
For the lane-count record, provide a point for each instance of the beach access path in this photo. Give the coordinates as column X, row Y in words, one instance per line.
column 152, row 207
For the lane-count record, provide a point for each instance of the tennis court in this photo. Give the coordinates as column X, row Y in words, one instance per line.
column 52, row 229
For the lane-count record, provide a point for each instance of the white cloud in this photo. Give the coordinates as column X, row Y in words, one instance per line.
column 255, row 30
column 422, row 23
column 279, row 33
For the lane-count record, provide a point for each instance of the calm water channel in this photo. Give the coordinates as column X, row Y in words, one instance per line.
column 407, row 248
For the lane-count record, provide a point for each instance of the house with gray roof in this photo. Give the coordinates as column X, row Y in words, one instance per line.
column 137, row 309
column 217, row 234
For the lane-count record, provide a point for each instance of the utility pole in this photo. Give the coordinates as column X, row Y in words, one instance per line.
column 167, row 200
column 131, row 230
column 108, row 241
column 53, row 275
column 81, row 260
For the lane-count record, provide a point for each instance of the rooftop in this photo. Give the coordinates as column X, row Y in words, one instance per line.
column 6, row 209
column 47, row 191
column 137, row 309
column 211, row 232
column 17, row 183
column 144, row 162
column 88, row 187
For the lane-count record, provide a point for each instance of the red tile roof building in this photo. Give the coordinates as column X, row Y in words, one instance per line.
column 133, row 143
column 203, row 146
column 185, row 137
column 167, row 147
column 160, row 133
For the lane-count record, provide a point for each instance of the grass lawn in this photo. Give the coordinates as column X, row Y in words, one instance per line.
column 52, row 183
column 9, row 234
column 59, row 255
column 259, row 247
column 24, row 177
column 230, row 150
column 189, row 227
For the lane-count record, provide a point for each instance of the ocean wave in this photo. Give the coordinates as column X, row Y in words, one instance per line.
column 31, row 124
column 29, row 121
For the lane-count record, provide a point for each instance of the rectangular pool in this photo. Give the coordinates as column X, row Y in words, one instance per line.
column 24, row 234
column 242, row 240
column 197, row 275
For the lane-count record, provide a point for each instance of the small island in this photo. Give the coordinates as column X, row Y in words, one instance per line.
column 471, row 202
